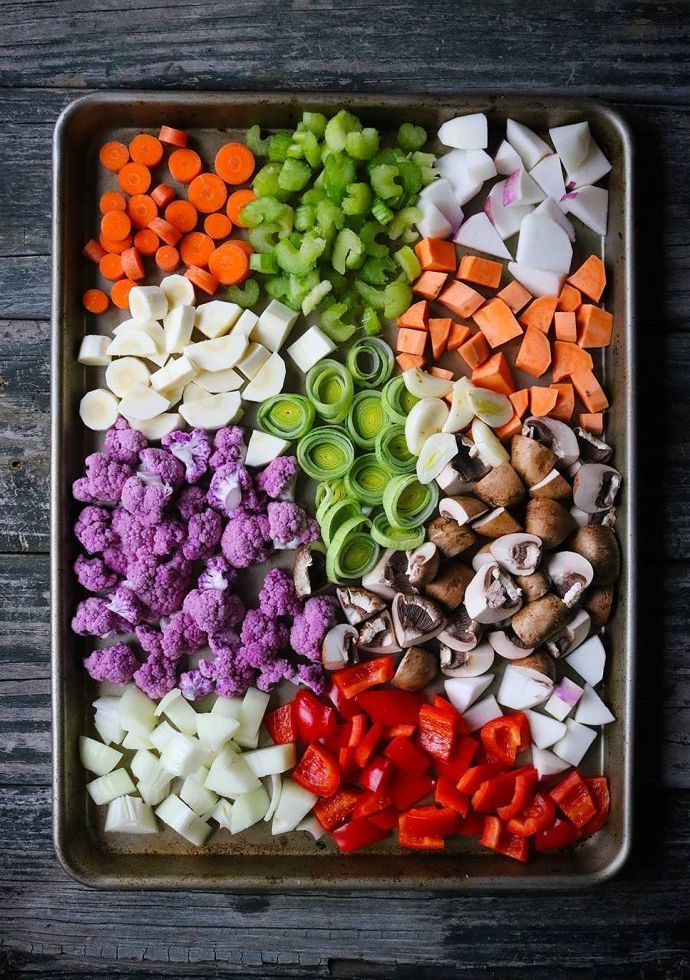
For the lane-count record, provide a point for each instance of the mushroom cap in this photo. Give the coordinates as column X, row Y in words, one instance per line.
column 482, row 557
column 539, row 662
column 422, row 564
column 450, row 537
column 450, row 584
column 599, row 545
column 502, row 487
column 549, row 520
column 496, row 523
column 539, row 620
column 417, row 668
column 466, row 663
column 555, row 435
column 592, row 449
column 462, row 508
column 359, row 604
column 598, row 603
column 570, row 574
column 416, row 619
column 518, row 553
column 575, row 632
column 491, row 596
column 554, row 485
column 382, row 579
column 338, row 646
column 596, row 487
column 530, row 459
column 506, row 644
column 534, row 586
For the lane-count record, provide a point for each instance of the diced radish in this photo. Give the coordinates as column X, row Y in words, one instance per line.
column 529, row 147
column 433, row 224
column 590, row 205
column 589, row 660
column 591, row 710
column 464, row 691
column 544, row 245
column 551, row 209
column 481, row 712
column 506, row 221
column 507, row 160
column 572, row 143
column 546, row 763
column 544, row 731
column 520, row 189
column 593, row 168
column 539, row 282
column 465, row 132
column 478, row 232
column 480, row 166
column 563, row 699
column 453, row 166
column 573, row 746
column 440, row 193
column 549, row 175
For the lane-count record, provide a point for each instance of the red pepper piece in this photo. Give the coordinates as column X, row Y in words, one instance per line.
column 386, row 818
column 317, row 771
column 348, row 766
column 333, row 810
column 281, row 724
column 410, row 837
column 497, row 838
column 495, row 792
column 534, row 818
column 391, row 707
column 560, row 834
column 573, row 798
column 474, row 777
column 346, row 708
column 367, row 745
column 504, row 737
column 432, row 820
column 351, row 681
column 599, row 788
column 458, row 763
column 358, row 728
column 314, row 718
column 447, row 795
column 452, row 713
column 406, row 790
column 358, row 833
column 437, row 732
column 370, row 803
column 523, row 793
column 339, row 739
column 471, row 826
column 405, row 731
column 377, row 774
column 406, row 756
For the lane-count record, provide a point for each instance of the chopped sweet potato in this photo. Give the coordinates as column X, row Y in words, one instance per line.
column 568, row 358
column 442, row 373
column 474, row 351
column 430, row 284
column 407, row 361
column 460, row 298
column 495, row 374
column 539, row 313
column 515, row 296
column 416, row 316
column 589, row 390
column 411, row 341
column 569, row 299
column 511, row 428
column 436, row 255
column 592, row 422
column 459, row 333
column 565, row 326
column 439, row 330
column 594, row 326
column 542, row 400
column 497, row 322
column 565, row 403
column 520, row 400
column 534, row 356
column 590, row 278
column 482, row 271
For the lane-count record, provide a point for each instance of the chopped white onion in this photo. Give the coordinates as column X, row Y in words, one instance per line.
column 310, row 825
column 215, row 730
column 276, row 790
column 179, row 711
column 230, row 775
column 223, row 814
column 294, row 804
column 176, row 814
column 130, row 815
column 161, row 735
column 183, row 754
column 196, row 795
column 97, row 757
column 250, row 716
column 136, row 742
column 106, row 720
column 227, row 707
column 136, row 712
column 248, row 809
column 271, row 760
column 108, row 787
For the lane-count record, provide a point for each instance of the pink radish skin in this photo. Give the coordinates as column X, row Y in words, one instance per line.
column 506, row 220
column 521, row 190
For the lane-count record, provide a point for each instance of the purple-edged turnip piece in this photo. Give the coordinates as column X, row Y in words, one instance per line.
column 469, row 132
column 539, row 282
column 572, row 143
column 591, row 710
column 549, row 175
column 433, row 223
column 593, row 168
column 453, row 166
column 550, row 209
column 563, row 699
column 589, row 660
column 523, row 687
column 464, row 691
column 507, row 159
column 546, row 763
column 544, row 245
column 590, row 205
column 520, row 190
column 505, row 220
column 477, row 232
column 544, row 731
column 482, row 712
column 573, row 746
column 440, row 193
column 529, row 147
column 480, row 166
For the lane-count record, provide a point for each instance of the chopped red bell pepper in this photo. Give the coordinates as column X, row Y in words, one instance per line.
column 347, row 735
column 453, row 713
column 523, row 792
column 405, row 731
column 377, row 774
column 504, row 737
column 573, row 798
column 406, row 756
column 599, row 788
column 315, row 719
column 348, row 766
column 471, row 780
column 406, row 790
column 367, row 745
column 386, row 818
column 432, row 820
column 437, row 732
column 471, row 826
column 409, row 836
column 497, row 838
column 447, row 795
column 460, row 760
column 359, row 677
column 333, row 810
column 534, row 818
column 391, row 707
column 560, row 834
column 281, row 724
column 496, row 792
column 317, row 771
column 370, row 803
column 358, row 727
column 358, row 833
column 346, row 707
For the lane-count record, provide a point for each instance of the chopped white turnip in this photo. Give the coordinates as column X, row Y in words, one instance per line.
column 465, row 132
column 440, row 193
column 464, row 691
column 538, row 282
column 590, row 205
column 480, row 166
column 551, row 209
column 505, row 220
column 593, row 168
column 482, row 712
column 544, row 245
column 478, row 232
column 573, row 746
column 544, row 731
column 523, row 687
column 507, row 160
column 520, row 189
column 563, row 699
column 591, row 710
column 433, row 223
column 549, row 175
column 572, row 143
column 529, row 147
column 546, row 763
column 589, row 660
column 453, row 166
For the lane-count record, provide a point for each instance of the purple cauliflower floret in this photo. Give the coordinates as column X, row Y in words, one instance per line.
column 93, row 529
column 136, row 537
column 192, row 500
column 145, row 500
column 162, row 464
column 192, row 449
column 262, row 638
column 125, row 603
column 194, row 685
column 116, row 664
column 314, row 677
column 214, row 611
column 290, row 526
column 310, row 626
column 246, row 540
column 103, row 480
column 181, row 635
column 278, row 479
column 150, row 639
column 223, row 645
column 204, row 531
column 160, row 585
column 232, row 487
column 230, row 673
column 168, row 536
column 278, row 596
column 156, row 676
column 218, row 574
column 229, row 447
column 273, row 673
column 94, row 618
column 116, row 559
column 94, row 575
column 124, row 444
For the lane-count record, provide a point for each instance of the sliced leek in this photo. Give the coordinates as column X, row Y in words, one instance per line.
column 325, row 453
column 367, row 479
column 286, row 416
column 366, row 418
column 370, row 362
column 327, row 493
column 398, row 401
column 330, row 389
column 336, row 515
column 352, row 552
column 391, row 449
column 407, row 502
column 398, row 538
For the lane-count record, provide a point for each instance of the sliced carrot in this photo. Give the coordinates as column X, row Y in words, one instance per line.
column 441, row 373
column 167, row 258
column 520, row 400
column 482, row 271
column 411, row 341
column 110, row 267
column 565, row 327
column 407, row 361
column 184, row 165
column 509, row 429
column 229, row 264
column 494, row 374
column 173, row 137
column 217, row 226
column 142, row 209
column 589, row 390
column 134, row 178
column 115, row 225
column 430, row 284
column 497, row 322
column 113, row 247
column 569, row 299
column 592, row 422
column 208, row 193
column 93, row 251
column 439, row 331
column 415, row 316
column 594, row 326
column 196, row 248
column 515, row 296
column 534, row 356
column 542, row 400
column 460, row 298
column 95, row 301
column 163, row 194
column 204, row 280
column 183, row 215
column 119, row 293
column 146, row 241
column 459, row 333
column 539, row 313
column 236, row 201
column 166, row 232
column 474, row 351
column 568, row 358
column 436, row 255
column 235, row 163
column 590, row 278
column 146, row 149
column 111, row 201
column 132, row 264
column 113, row 156
column 244, row 245
column 565, row 403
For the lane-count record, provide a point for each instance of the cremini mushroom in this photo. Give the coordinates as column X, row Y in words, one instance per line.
column 497, row 522
column 549, row 520
column 466, row 663
column 422, row 564
column 461, row 632
column 596, row 487
column 388, row 575
column 598, row 603
column 377, row 635
column 462, row 472
column 482, row 557
column 450, row 584
column 417, row 668
column 539, row 662
column 530, row 459
column 518, row 554
column 338, row 646
column 592, row 449
column 599, row 545
column 463, row 508
column 556, row 436
column 502, row 487
column 575, row 632
column 450, row 538
column 539, row 620
column 492, row 595
column 359, row 604
column 570, row 574
column 506, row 644
column 554, row 485
column 416, row 619
column 534, row 586
column 309, row 571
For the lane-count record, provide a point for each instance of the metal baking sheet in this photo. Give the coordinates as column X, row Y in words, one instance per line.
column 256, row 860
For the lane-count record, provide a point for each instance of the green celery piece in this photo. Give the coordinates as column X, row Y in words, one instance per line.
column 371, row 322
column 298, row 262
column 408, row 262
column 397, row 296
column 265, row 182
column 410, row 235
column 245, row 296
column 348, row 250
column 315, row 296
column 338, row 282
column 372, row 297
column 305, row 217
column 382, row 212
column 314, row 122
column 411, row 137
column 362, row 145
column 368, row 235
column 358, row 199
column 338, row 171
column 385, row 156
column 333, row 326
column 278, row 146
column 424, row 159
column 410, row 176
column 429, row 175
column 337, row 129
column 278, row 287
column 263, row 237
column 376, row 270
column 329, row 217
column 313, row 196
column 402, row 221
column 294, row 175
column 253, row 140
column 383, row 181
column 264, row 262
column 300, row 287
column 262, row 209
column 286, row 221
column 309, row 147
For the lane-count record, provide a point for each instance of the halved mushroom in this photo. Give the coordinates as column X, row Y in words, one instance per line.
column 555, row 435
column 450, row 584
column 540, row 662
column 450, row 538
column 359, row 604
column 388, row 575
column 466, row 663
column 596, row 487
column 506, row 644
column 554, row 485
column 539, row 620
column 416, row 619
column 338, row 647
column 575, row 632
column 377, row 635
column 462, row 509
column 497, row 522
column 592, row 449
column 422, row 564
column 451, row 481
column 309, row 570
column 482, row 557
column 570, row 574
column 502, row 487
column 530, row 459
column 519, row 553
column 492, row 595
column 534, row 586
column 461, row 633
column 599, row 545
column 579, row 516
column 416, row 669
column 468, row 463
column 598, row 604
column 549, row 520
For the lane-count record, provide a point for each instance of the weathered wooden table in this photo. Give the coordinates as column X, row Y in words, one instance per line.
column 633, row 54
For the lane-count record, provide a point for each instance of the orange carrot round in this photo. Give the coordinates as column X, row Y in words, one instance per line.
column 204, row 280
column 234, row 163
column 95, row 301
column 208, row 193
column 196, row 248
column 163, row 194
column 244, row 245
column 182, row 214
column 229, row 264
column 132, row 264
column 184, row 165
column 146, row 241
column 119, row 293
column 113, row 156
column 112, row 201
column 146, row 149
column 113, row 247
column 165, row 231
column 217, row 225
column 116, row 225
column 110, row 267
column 93, row 251
column 134, row 178
column 236, row 202
column 167, row 258
column 141, row 209
column 173, row 137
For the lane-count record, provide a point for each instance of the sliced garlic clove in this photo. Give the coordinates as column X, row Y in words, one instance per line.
column 424, row 385
column 436, row 453
column 461, row 409
column 426, row 418
column 491, row 407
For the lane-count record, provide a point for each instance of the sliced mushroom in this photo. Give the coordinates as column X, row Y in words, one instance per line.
column 468, row 463
column 462, row 509
column 506, row 644
column 359, row 604
column 534, row 586
column 466, row 663
column 450, row 538
column 549, row 520
column 450, row 584
column 482, row 557
column 338, row 646
column 416, row 619
column 530, row 459
column 451, row 481
column 461, row 633
column 575, row 632
column 519, row 553
column 539, row 620
column 388, row 575
column 417, row 668
column 502, row 487
column 599, row 545
column 570, row 574
column 309, row 571
column 497, row 522
column 554, row 485
column 598, row 604
column 377, row 635
column 596, row 487
column 539, row 662
column 592, row 449
column 422, row 564
column 555, row 435
column 492, row 595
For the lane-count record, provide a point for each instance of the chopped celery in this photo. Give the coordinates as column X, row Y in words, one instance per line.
column 376, row 270
column 338, row 172
column 300, row 287
column 348, row 250
column 264, row 262
column 308, row 144
column 371, row 322
column 368, row 235
column 358, row 199
column 245, row 296
column 253, row 140
column 410, row 235
column 305, row 217
column 338, row 282
column 429, row 175
column 298, row 262
column 382, row 212
column 278, row 287
column 337, row 129
column 397, row 296
column 383, row 180
column 372, row 297
column 362, row 145
column 278, row 146
column 408, row 262
column 294, row 175
column 411, row 137
column 314, row 122
column 313, row 195
column 263, row 237
column 424, row 159
column 386, row 156
column 286, row 221
column 404, row 219
column 332, row 325
column 268, row 209
column 265, row 181
column 410, row 176
column 329, row 217
column 315, row 295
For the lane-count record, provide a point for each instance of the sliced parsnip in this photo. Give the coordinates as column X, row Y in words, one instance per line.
column 93, row 351
column 211, row 411
column 123, row 373
column 98, row 409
